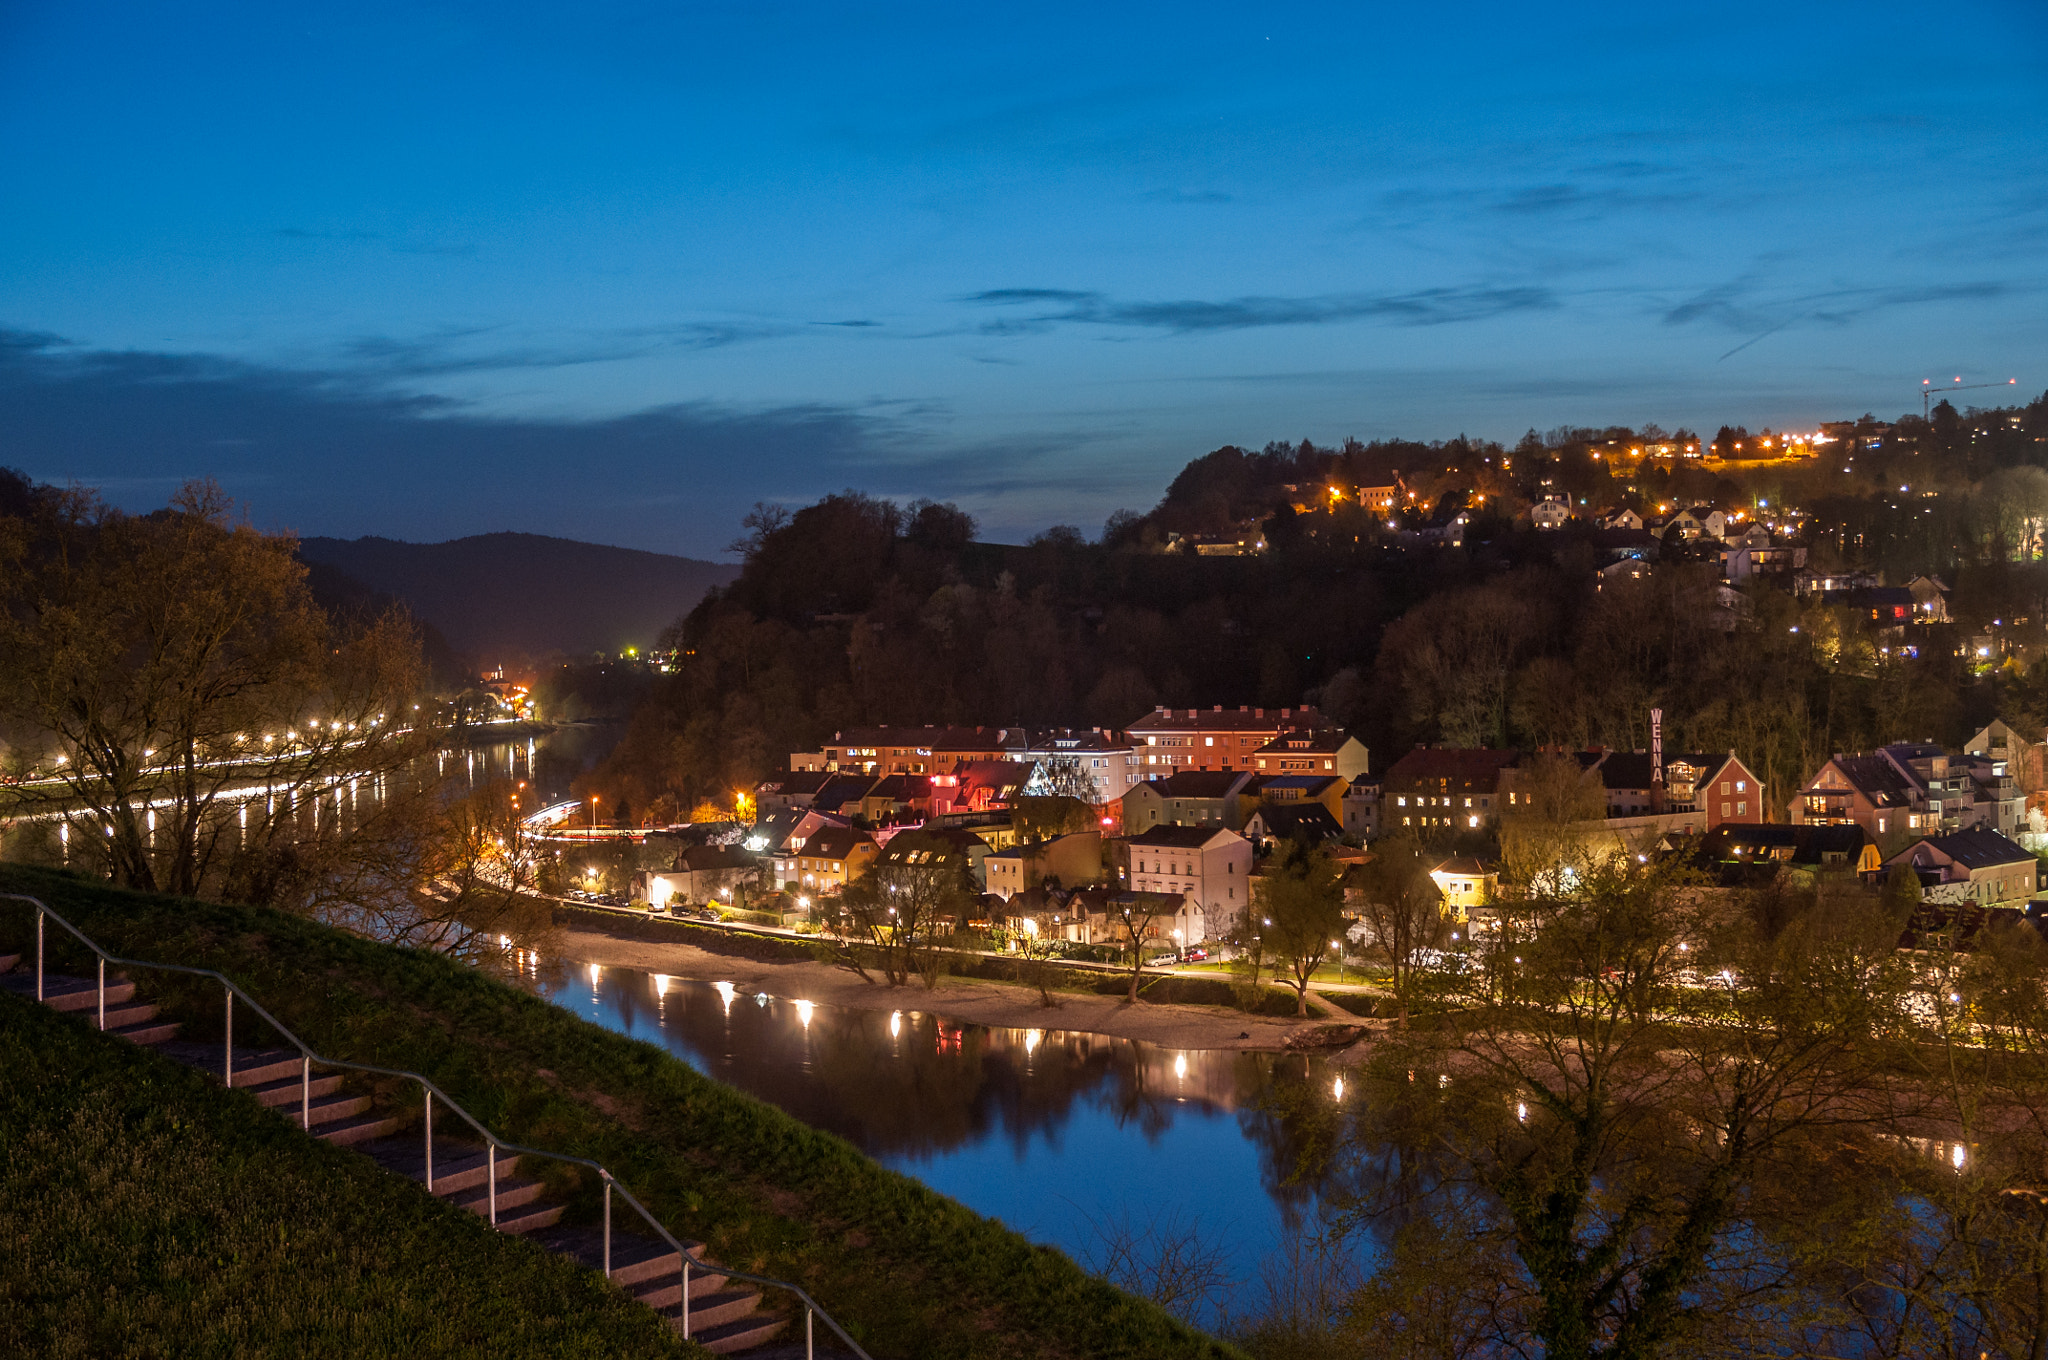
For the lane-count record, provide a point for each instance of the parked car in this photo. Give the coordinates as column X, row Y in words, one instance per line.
column 1194, row 954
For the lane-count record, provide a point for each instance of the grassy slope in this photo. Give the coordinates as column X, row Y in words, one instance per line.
column 909, row 1271
column 147, row 1212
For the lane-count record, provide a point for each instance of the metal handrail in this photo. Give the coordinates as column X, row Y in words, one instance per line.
column 494, row 1144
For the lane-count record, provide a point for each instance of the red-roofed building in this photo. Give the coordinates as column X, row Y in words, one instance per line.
column 1168, row 740
column 1443, row 788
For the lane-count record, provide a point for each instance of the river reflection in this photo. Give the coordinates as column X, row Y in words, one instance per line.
column 1054, row 1132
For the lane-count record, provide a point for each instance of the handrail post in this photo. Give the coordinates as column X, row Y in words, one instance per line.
column 607, row 1227
column 41, row 911
column 428, row 1092
column 491, row 1156
column 810, row 1347
column 305, row 1093
column 686, row 1291
column 227, row 1061
column 103, row 996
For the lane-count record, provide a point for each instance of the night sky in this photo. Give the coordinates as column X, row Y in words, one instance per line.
column 615, row 272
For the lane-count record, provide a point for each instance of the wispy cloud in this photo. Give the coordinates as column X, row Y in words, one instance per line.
column 1045, row 308
column 451, row 352
column 1746, row 306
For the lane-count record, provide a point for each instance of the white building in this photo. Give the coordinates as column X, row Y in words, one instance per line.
column 1209, row 865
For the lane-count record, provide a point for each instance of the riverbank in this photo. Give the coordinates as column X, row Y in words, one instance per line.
column 970, row 1000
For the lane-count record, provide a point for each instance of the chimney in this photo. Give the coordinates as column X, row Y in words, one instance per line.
column 1656, row 760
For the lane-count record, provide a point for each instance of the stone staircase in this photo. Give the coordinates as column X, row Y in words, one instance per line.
column 725, row 1315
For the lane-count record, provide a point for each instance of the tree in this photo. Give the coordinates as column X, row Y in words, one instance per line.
column 1617, row 1109
column 1061, row 777
column 1402, row 909
column 895, row 909
column 1543, row 831
column 177, row 665
column 1300, row 904
column 1134, row 913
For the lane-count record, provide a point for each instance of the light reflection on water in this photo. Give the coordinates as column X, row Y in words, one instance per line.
column 1051, row 1131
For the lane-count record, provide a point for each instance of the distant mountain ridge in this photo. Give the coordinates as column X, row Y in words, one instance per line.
column 495, row 596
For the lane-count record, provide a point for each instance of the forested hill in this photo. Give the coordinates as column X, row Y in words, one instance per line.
column 496, row 596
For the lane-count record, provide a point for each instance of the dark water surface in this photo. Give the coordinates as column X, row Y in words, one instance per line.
column 1056, row 1133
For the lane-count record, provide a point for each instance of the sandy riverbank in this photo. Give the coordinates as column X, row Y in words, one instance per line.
column 970, row 1000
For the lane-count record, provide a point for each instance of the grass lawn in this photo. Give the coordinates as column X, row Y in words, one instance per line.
column 147, row 1212
column 909, row 1272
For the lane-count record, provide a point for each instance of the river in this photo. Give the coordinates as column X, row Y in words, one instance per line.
column 1064, row 1136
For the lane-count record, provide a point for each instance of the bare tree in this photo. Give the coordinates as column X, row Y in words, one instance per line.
column 1299, row 903
column 895, row 910
column 1134, row 913
column 1403, row 913
column 1164, row 1258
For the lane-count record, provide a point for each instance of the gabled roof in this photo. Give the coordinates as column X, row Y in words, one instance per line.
column 795, row 784
column 1197, row 784
column 1302, row 821
column 701, row 858
column 842, row 789
column 1634, row 769
column 1876, row 779
column 1180, row 837
column 1976, row 848
column 1460, row 765
column 903, row 788
column 835, row 842
column 943, row 842
column 1466, row 866
column 1307, row 786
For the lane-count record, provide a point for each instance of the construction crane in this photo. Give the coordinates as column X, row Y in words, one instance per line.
column 1928, row 389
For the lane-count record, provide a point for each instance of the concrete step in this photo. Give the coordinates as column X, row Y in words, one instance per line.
column 287, row 1090
column 664, row 1292
column 468, row 1169
column 513, row 1192
column 127, row 1013
column 253, row 1066
column 636, row 1258
column 730, row 1337
column 329, row 1109
column 82, row 994
column 530, row 1217
column 150, row 1032
column 361, row 1129
column 713, row 1307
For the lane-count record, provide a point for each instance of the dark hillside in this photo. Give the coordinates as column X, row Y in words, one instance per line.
column 497, row 596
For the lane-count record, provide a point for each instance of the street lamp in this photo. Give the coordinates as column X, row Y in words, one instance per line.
column 1339, row 950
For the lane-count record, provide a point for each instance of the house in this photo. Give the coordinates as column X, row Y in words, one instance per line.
column 1441, row 788
column 1174, row 739
column 1552, row 512
column 1720, row 788
column 939, row 845
column 1211, row 866
column 1361, row 814
column 1916, row 786
column 1995, row 872
column 980, row 786
column 895, row 798
column 1884, row 606
column 1106, row 762
column 1189, row 798
column 842, row 794
column 832, row 858
column 1930, row 599
column 1619, row 518
column 1305, row 821
column 699, row 873
column 884, row 750
column 1466, row 883
column 1732, row 848
column 1305, row 752
column 1328, row 790
column 1754, row 552
column 782, row 836
column 785, row 791
column 1068, row 861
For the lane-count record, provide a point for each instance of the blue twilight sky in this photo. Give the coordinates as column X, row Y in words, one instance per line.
column 616, row 271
